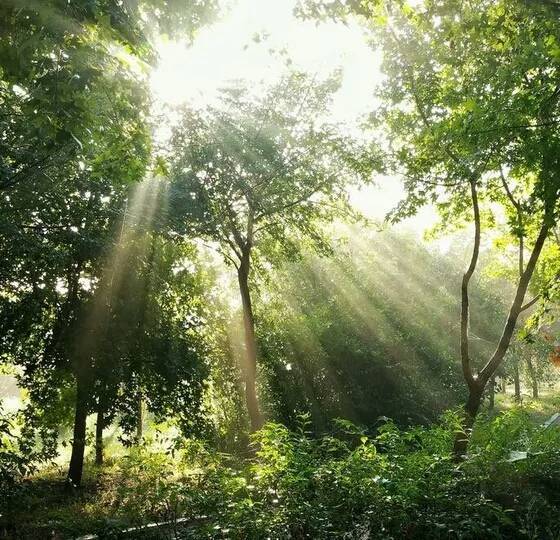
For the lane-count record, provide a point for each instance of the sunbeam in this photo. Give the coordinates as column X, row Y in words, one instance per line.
column 147, row 200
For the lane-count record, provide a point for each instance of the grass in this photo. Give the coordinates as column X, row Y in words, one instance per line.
column 45, row 506
column 539, row 410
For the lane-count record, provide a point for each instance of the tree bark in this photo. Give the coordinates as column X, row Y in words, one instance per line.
column 471, row 410
column 250, row 361
column 99, row 425
column 75, row 469
column 465, row 311
column 533, row 375
column 516, row 381
column 492, row 393
column 140, row 420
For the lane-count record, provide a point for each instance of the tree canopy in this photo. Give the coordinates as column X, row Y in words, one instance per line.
column 233, row 309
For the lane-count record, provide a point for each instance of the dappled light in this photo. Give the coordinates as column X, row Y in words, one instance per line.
column 279, row 269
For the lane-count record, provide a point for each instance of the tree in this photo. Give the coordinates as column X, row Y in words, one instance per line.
column 529, row 355
column 73, row 113
column 148, row 337
column 471, row 89
column 51, row 250
column 258, row 175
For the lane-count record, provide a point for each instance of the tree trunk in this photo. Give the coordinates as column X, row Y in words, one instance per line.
column 535, row 388
column 477, row 383
column 76, row 467
column 516, row 381
column 472, row 406
column 99, row 425
column 492, row 393
column 140, row 420
column 250, row 363
column 533, row 375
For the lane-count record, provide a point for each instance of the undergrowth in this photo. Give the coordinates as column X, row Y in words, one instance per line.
column 349, row 484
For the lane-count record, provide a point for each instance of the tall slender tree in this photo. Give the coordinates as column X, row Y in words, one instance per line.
column 258, row 175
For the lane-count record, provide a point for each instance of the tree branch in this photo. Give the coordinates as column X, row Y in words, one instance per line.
column 508, row 190
column 519, row 211
column 530, row 303
column 514, row 127
column 516, row 306
column 465, row 357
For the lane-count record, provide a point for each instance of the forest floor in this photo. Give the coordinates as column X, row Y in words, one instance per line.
column 540, row 410
column 47, row 508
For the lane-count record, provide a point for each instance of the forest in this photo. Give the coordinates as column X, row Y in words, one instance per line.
column 280, row 269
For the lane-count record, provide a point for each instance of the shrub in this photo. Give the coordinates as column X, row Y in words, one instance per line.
column 393, row 483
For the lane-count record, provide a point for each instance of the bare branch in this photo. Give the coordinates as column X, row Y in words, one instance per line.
column 530, row 303
column 508, row 190
column 553, row 122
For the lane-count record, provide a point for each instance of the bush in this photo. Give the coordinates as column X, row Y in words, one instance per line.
column 397, row 484
column 394, row 483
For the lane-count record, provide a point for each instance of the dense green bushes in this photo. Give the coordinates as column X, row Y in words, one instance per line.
column 396, row 484
column 391, row 484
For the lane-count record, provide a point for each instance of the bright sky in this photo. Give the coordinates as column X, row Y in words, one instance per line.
column 227, row 50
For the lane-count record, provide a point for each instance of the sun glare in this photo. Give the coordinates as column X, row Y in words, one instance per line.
column 256, row 42
column 259, row 40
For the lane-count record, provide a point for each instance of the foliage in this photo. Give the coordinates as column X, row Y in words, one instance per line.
column 263, row 171
column 457, row 111
column 389, row 484
column 107, row 305
column 149, row 335
column 369, row 332
column 74, row 107
column 75, row 136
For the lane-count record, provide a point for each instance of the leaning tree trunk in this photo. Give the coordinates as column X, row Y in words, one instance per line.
column 76, row 466
column 250, row 363
column 99, row 425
